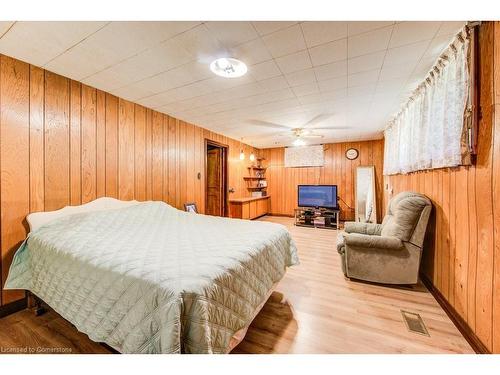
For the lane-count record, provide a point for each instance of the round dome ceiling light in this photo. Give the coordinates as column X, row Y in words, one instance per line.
column 228, row 67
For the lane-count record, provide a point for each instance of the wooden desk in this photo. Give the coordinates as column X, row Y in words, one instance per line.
column 248, row 208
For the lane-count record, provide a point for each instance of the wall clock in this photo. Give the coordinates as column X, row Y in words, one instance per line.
column 352, row 154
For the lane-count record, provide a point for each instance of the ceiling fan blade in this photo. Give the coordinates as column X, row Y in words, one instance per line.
column 268, row 124
column 317, row 119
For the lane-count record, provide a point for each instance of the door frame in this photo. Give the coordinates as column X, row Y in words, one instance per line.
column 225, row 150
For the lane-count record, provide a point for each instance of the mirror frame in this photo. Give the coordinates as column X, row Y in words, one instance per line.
column 356, row 208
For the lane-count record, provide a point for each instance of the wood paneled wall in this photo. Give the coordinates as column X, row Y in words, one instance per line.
column 65, row 143
column 338, row 170
column 462, row 252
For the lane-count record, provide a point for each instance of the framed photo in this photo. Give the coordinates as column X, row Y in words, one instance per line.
column 190, row 207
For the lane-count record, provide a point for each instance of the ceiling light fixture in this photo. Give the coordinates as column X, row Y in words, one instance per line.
column 228, row 67
column 299, row 142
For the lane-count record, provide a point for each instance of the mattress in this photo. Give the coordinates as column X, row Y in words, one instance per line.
column 153, row 279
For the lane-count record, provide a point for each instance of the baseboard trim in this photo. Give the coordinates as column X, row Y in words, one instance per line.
column 13, row 307
column 280, row 215
column 459, row 322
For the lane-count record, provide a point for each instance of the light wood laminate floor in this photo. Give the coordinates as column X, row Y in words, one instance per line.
column 313, row 310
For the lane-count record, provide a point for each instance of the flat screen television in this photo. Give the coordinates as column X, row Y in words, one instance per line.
column 318, row 196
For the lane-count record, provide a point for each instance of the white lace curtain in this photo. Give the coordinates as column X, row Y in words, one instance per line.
column 427, row 133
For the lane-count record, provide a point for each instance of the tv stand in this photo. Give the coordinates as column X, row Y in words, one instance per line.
column 317, row 218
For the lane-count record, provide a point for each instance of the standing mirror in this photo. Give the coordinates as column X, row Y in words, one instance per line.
column 366, row 206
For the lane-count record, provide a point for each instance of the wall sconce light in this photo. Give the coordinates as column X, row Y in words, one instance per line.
column 242, row 155
column 252, row 157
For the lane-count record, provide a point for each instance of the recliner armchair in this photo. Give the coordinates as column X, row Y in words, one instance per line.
column 390, row 252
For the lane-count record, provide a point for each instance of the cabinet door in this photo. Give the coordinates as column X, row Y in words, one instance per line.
column 261, row 207
column 245, row 211
column 235, row 210
column 253, row 209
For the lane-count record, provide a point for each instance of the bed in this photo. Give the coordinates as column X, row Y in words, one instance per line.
column 144, row 277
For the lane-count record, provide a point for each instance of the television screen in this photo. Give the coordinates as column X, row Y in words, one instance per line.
column 324, row 196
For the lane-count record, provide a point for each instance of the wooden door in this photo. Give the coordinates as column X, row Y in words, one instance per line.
column 214, row 182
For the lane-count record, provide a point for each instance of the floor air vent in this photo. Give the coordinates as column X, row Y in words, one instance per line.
column 414, row 323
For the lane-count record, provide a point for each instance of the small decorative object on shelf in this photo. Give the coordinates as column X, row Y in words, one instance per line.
column 190, row 207
column 256, row 179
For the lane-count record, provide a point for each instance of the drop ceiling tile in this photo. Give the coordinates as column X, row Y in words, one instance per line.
column 264, row 70
column 450, row 27
column 294, row 62
column 306, row 89
column 374, row 41
column 4, row 27
column 159, row 100
column 231, row 33
column 407, row 53
column 177, row 77
column 285, row 42
column 164, row 56
column 52, row 39
column 276, row 83
column 267, row 27
column 396, row 71
column 202, row 44
column 333, row 84
column 192, row 90
column 329, row 52
column 363, row 78
column 390, row 87
column 333, row 70
column 276, row 96
column 220, row 84
column 132, row 92
column 358, row 27
column 104, row 49
column 252, row 52
column 249, row 89
column 197, row 102
column 438, row 45
column 366, row 62
column 412, row 32
column 301, row 77
column 316, row 33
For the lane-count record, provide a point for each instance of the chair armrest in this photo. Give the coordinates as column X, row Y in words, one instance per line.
column 375, row 242
column 362, row 228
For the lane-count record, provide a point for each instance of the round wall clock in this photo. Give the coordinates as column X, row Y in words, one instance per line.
column 351, row 154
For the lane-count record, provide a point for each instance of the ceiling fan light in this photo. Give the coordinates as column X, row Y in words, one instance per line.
column 299, row 142
column 228, row 67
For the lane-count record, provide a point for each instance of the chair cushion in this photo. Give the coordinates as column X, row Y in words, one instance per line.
column 403, row 214
column 373, row 242
column 363, row 228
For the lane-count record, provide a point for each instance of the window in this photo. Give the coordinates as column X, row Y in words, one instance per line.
column 434, row 129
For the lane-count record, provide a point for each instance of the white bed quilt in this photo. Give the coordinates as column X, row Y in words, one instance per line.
column 153, row 279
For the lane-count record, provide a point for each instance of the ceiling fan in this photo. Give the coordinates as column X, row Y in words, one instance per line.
column 305, row 131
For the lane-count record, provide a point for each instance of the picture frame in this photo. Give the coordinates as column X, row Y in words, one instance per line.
column 190, row 207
